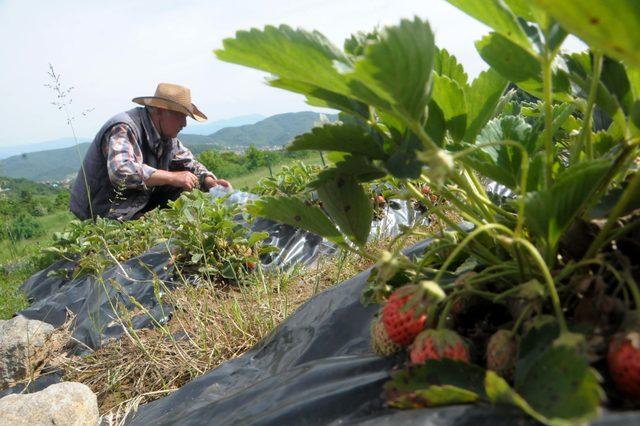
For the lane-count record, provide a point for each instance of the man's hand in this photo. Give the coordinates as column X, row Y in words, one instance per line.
column 185, row 180
column 210, row 182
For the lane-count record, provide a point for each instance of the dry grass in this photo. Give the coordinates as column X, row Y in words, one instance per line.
column 212, row 323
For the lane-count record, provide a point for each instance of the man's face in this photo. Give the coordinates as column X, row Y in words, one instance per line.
column 171, row 122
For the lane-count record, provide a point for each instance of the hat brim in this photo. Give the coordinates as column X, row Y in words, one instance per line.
column 171, row 105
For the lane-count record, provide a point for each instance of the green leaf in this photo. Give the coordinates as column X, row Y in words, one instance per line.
column 482, row 98
column 447, row 65
column 320, row 97
column 435, row 383
column 502, row 163
column 256, row 237
column 579, row 65
column 449, row 96
column 509, row 59
column 496, row 15
column 356, row 44
column 294, row 212
column 521, row 66
column 404, row 161
column 499, row 392
column 610, row 26
column 614, row 78
column 532, row 346
column 348, row 205
column 548, row 213
column 436, row 126
column 357, row 166
column 634, row 81
column 339, row 137
column 523, row 9
column 562, row 386
column 556, row 36
column 395, row 72
column 294, row 55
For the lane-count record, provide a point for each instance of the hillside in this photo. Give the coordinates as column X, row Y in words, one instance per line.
column 54, row 164
column 277, row 130
column 58, row 164
column 209, row 127
column 11, row 150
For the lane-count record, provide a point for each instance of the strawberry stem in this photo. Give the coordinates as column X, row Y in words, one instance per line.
column 444, row 314
column 553, row 293
column 467, row 240
column 521, row 318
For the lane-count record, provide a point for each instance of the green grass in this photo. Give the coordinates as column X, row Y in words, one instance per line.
column 17, row 262
column 17, row 258
column 14, row 251
column 246, row 182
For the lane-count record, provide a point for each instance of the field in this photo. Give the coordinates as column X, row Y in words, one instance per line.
column 248, row 181
column 525, row 292
column 20, row 259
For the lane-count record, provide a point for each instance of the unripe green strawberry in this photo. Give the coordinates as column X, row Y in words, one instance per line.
column 502, row 353
column 623, row 359
column 380, row 341
column 404, row 315
column 438, row 344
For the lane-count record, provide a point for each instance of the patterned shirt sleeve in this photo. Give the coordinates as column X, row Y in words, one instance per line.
column 124, row 159
column 186, row 160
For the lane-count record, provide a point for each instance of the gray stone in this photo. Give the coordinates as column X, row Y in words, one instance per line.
column 66, row 403
column 20, row 340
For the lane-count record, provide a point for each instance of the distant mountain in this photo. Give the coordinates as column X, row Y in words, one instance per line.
column 58, row 164
column 195, row 129
column 8, row 151
column 54, row 164
column 212, row 127
column 277, row 130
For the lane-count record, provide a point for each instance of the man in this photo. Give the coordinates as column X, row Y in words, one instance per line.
column 136, row 162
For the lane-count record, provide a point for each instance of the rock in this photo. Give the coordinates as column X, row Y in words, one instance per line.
column 20, row 340
column 66, row 403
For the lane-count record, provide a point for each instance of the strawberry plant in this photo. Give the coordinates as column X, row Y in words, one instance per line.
column 291, row 180
column 209, row 241
column 201, row 232
column 555, row 260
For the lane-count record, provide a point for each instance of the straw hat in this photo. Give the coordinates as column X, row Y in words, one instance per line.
column 172, row 97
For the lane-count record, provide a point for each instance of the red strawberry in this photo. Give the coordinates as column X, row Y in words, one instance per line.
column 624, row 363
column 502, row 353
column 404, row 315
column 426, row 190
column 438, row 344
column 380, row 341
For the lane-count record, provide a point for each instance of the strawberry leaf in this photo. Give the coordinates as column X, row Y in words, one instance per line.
column 483, row 96
column 395, row 72
column 610, row 26
column 293, row 211
column 349, row 138
column 562, row 386
column 436, row 383
column 445, row 64
column 496, row 15
column 450, row 97
column 548, row 213
column 347, row 203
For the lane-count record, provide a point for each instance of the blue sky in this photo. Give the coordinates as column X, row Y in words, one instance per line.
column 112, row 51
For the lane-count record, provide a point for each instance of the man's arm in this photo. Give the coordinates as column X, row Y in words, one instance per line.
column 185, row 158
column 127, row 170
column 181, row 179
